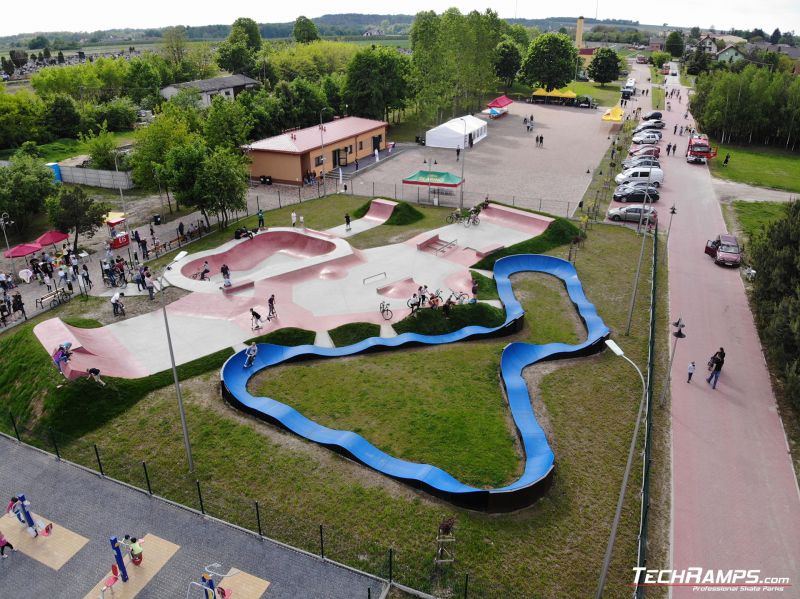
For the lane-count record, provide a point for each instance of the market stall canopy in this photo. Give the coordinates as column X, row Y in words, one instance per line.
column 556, row 93
column 459, row 132
column 51, row 238
column 24, row 249
column 614, row 115
column 433, row 179
column 501, row 102
column 115, row 218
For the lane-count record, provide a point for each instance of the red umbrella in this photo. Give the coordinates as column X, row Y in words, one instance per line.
column 51, row 238
column 24, row 249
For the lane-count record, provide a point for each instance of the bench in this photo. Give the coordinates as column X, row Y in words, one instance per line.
column 51, row 297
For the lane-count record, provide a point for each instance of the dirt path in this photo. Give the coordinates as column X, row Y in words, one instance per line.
column 727, row 191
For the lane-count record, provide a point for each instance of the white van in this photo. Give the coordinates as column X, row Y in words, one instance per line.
column 653, row 175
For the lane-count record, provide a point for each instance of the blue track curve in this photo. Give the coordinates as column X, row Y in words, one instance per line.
column 515, row 357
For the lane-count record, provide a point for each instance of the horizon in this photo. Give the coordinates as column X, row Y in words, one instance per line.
column 96, row 17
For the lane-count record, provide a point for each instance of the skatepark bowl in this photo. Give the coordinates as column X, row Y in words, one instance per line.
column 539, row 457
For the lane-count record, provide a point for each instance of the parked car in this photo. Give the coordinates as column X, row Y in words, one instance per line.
column 633, row 214
column 645, row 151
column 725, row 250
column 674, row 73
column 653, row 114
column 646, row 137
column 640, row 161
column 623, row 193
column 585, row 102
column 651, row 174
column 652, row 124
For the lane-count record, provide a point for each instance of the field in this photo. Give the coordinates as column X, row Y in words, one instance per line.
column 752, row 217
column 762, row 167
column 607, row 95
column 64, row 148
column 443, row 405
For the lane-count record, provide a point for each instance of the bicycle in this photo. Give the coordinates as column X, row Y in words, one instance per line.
column 201, row 274
column 120, row 309
column 459, row 297
column 454, row 218
column 385, row 311
column 472, row 219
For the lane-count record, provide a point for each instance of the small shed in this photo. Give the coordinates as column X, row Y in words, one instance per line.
column 460, row 132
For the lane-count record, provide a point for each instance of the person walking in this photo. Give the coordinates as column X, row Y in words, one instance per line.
column 294, row 218
column 727, row 159
column 150, row 285
column 458, row 153
column 675, row 130
column 541, row 141
column 681, row 131
column 347, row 221
column 4, row 544
column 48, row 280
column 17, row 305
column 260, row 218
column 356, row 163
column 87, row 282
column 181, row 229
column 713, row 378
column 690, row 371
column 302, row 222
column 669, row 147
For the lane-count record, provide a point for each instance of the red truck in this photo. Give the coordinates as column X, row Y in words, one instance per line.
column 699, row 149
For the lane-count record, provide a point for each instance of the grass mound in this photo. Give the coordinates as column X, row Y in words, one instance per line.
column 433, row 322
column 404, row 214
column 288, row 336
column 559, row 232
column 353, row 332
column 361, row 210
column 82, row 323
column 487, row 288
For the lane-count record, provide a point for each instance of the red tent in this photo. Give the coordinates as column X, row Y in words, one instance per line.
column 500, row 102
column 24, row 249
column 51, row 238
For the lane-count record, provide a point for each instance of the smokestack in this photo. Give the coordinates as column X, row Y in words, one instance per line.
column 579, row 33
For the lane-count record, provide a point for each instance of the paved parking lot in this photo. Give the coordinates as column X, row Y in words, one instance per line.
column 507, row 165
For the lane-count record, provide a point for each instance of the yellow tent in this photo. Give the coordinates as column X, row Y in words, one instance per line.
column 613, row 114
column 556, row 93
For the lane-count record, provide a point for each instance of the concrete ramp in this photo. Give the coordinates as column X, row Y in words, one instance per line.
column 379, row 212
column 402, row 289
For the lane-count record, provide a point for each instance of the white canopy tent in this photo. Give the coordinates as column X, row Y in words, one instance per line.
column 457, row 132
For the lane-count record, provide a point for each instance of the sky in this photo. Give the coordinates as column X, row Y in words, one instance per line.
column 91, row 15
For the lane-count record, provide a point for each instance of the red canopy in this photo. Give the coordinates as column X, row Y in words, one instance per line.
column 51, row 238
column 500, row 102
column 24, row 249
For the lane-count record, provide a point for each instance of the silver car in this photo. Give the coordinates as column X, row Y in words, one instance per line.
column 633, row 214
column 646, row 137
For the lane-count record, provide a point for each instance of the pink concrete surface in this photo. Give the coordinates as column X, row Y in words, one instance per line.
column 380, row 210
column 535, row 224
column 91, row 348
column 249, row 253
column 735, row 495
column 402, row 289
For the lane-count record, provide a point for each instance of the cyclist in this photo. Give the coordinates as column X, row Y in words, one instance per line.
column 250, row 352
column 116, row 303
column 204, row 271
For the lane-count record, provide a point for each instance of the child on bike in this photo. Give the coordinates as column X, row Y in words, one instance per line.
column 204, row 271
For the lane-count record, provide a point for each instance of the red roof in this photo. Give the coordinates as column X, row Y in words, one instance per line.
column 500, row 102
column 586, row 51
column 310, row 138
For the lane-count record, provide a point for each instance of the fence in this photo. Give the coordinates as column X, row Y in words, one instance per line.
column 262, row 516
column 96, row 177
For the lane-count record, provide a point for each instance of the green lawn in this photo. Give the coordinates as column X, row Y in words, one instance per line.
column 604, row 95
column 587, row 407
column 657, row 98
column 656, row 77
column 754, row 216
column 64, row 148
column 762, row 167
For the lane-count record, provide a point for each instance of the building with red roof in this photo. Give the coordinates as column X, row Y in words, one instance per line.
column 289, row 157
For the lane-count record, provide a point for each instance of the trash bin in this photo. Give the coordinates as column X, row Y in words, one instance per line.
column 156, row 219
column 263, row 179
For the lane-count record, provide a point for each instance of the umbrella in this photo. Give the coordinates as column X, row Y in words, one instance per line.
column 24, row 249
column 51, row 238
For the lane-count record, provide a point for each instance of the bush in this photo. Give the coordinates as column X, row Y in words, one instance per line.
column 559, row 232
column 288, row 336
column 433, row 322
column 118, row 114
column 351, row 333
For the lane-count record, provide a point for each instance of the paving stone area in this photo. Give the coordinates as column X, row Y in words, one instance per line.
column 98, row 508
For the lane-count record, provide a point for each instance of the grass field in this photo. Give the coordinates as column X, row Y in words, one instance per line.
column 762, row 167
column 754, row 216
column 657, row 98
column 607, row 95
column 587, row 407
column 67, row 148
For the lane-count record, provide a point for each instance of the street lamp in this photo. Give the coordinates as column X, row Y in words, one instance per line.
column 618, row 514
column 322, row 141
column 677, row 334
column 179, row 256
column 121, row 197
column 463, row 159
column 672, row 212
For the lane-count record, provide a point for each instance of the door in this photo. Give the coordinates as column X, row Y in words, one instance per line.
column 376, row 142
column 711, row 248
column 470, row 140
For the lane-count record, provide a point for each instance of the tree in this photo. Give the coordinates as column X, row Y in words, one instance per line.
column 376, row 81
column 24, row 186
column 657, row 59
column 143, row 80
column 8, row 66
column 174, row 48
column 604, row 66
column 227, row 124
column 550, row 61
column 250, row 28
column 72, row 210
column 333, row 87
column 102, row 147
column 265, row 111
column 38, row 42
column 18, row 57
column 507, row 61
column 181, row 170
column 46, row 53
column 21, row 119
column 694, row 33
column 304, row 30
column 62, row 117
column 152, row 144
column 776, row 36
column 60, row 57
column 235, row 55
column 520, row 35
column 674, row 44
column 222, row 183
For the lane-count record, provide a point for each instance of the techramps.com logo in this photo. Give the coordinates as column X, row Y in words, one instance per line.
column 712, row 581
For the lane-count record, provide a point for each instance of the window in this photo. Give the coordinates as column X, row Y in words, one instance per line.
column 318, row 161
column 361, row 145
column 350, row 149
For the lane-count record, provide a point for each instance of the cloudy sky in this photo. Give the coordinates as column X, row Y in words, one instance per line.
column 90, row 15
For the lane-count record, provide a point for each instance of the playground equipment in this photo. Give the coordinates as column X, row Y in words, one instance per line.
column 211, row 589
column 538, row 471
column 19, row 507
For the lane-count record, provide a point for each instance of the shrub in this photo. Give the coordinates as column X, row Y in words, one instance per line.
column 433, row 322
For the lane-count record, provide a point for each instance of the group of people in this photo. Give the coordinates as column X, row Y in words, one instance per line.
column 11, row 306
column 298, row 219
column 310, row 178
column 113, row 271
column 671, row 148
column 715, row 364
column 675, row 93
column 528, row 122
column 144, row 279
column 256, row 320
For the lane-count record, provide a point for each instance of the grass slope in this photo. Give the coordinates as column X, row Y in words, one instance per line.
column 351, row 333
column 487, row 288
column 288, row 336
column 762, row 167
column 433, row 322
column 559, row 232
column 754, row 216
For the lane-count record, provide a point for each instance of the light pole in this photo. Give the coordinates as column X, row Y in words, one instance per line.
column 463, row 159
column 672, row 212
column 645, row 206
column 677, row 334
column 4, row 222
column 601, row 583
column 179, row 256
column 121, row 197
column 322, row 141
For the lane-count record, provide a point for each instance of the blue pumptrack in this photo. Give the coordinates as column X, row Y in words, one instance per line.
column 537, row 476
